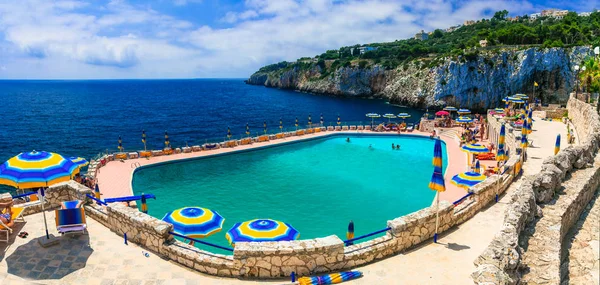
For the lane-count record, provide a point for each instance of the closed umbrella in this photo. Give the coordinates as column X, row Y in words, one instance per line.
column 280, row 125
column 501, row 154
column 228, row 133
column 322, row 120
column 296, row 123
column 477, row 166
column 167, row 142
column 339, row 121
column 265, row 127
column 247, row 130
column 437, row 181
column 309, row 121
column 37, row 170
column 557, row 145
column 260, row 230
column 144, row 139
column 120, row 144
column 333, row 278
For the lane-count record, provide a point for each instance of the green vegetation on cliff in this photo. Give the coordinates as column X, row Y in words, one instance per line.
column 571, row 30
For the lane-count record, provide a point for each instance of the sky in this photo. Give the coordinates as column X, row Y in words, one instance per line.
column 134, row 39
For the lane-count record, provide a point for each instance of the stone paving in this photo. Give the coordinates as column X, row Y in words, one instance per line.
column 583, row 247
column 108, row 261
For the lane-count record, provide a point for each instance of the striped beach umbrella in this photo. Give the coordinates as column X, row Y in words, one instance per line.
column 437, row 180
column 499, row 110
column 404, row 115
column 79, row 161
column 260, row 230
column 389, row 116
column 373, row 116
column 37, row 169
column 557, row 145
column 333, row 278
column 464, row 120
column 339, row 121
column 144, row 139
column 247, row 130
column 265, row 127
column 516, row 100
column 120, row 147
column 450, row 109
column 467, row 179
column 195, row 222
column 474, row 148
column 167, row 142
column 501, row 153
column 464, row 111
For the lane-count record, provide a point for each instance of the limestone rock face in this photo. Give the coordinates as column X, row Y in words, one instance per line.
column 477, row 82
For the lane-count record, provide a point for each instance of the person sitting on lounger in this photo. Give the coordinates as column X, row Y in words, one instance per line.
column 6, row 217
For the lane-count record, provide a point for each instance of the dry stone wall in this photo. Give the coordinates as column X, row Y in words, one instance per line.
column 64, row 191
column 500, row 261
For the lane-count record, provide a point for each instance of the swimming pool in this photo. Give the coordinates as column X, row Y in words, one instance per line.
column 317, row 186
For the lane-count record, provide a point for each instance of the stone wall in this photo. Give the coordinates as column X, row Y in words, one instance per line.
column 64, row 191
column 499, row 263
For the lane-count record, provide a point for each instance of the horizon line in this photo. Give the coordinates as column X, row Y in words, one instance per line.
column 123, row 79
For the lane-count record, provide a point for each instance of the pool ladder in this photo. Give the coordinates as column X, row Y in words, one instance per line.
column 135, row 165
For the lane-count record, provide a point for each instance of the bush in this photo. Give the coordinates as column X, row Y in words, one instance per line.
column 363, row 63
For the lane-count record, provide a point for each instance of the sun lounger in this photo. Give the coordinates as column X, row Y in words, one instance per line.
column 410, row 127
column 263, row 138
column 360, row 128
column 352, row 128
column 344, row 128
column 15, row 216
column 120, row 156
column 145, row 153
column 186, row 149
column 317, row 130
column 70, row 220
column 299, row 132
column 280, row 135
column 367, row 128
column 168, row 151
column 330, row 128
column 245, row 141
column 71, row 204
column 157, row 153
column 209, row 146
column 338, row 128
column 310, row 131
column 177, row 150
column 196, row 148
column 230, row 143
column 133, row 155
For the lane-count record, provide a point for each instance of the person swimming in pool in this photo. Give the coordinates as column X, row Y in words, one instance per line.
column 370, row 146
column 397, row 147
column 393, row 146
column 347, row 139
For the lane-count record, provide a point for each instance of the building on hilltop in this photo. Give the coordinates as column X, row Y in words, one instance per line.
column 362, row 50
column 469, row 22
column 421, row 36
column 585, row 14
column 453, row 28
column 554, row 13
column 535, row 16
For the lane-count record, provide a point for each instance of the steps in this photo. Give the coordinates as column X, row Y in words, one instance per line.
column 542, row 239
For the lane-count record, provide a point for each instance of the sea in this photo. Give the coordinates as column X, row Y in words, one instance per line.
column 86, row 117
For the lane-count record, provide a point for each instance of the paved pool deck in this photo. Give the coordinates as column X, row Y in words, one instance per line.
column 102, row 258
column 114, row 179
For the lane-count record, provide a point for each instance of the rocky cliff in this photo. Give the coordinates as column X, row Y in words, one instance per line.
column 477, row 80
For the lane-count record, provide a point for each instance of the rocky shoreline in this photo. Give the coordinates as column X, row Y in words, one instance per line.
column 477, row 82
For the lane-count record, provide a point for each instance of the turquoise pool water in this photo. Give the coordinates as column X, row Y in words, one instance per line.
column 317, row 186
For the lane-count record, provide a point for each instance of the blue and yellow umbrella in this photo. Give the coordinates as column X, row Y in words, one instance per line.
column 280, row 124
column 501, row 154
column 464, row 120
column 450, row 109
column 195, row 222
column 322, row 120
column 37, row 169
column 120, row 144
column 167, row 142
column 247, row 130
column 339, row 122
column 557, row 145
column 309, row 121
column 228, row 133
column 467, row 179
column 265, row 127
column 333, row 278
column 79, row 161
column 499, row 110
column 474, row 148
column 260, row 230
column 516, row 100
column 389, row 116
column 403, row 115
column 477, row 167
column 524, row 132
column 437, row 179
column 296, row 123
column 464, row 111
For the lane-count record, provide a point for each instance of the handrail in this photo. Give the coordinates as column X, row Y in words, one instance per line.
column 457, row 202
column 135, row 164
column 349, row 241
column 202, row 242
column 97, row 201
column 24, row 195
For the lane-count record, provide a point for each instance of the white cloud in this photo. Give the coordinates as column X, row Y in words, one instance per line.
column 75, row 39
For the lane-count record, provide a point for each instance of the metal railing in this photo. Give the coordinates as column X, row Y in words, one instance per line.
column 24, row 195
column 352, row 240
column 97, row 201
column 462, row 199
column 202, row 242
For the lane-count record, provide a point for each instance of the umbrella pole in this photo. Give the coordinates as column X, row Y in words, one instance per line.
column 44, row 213
column 437, row 216
column 49, row 240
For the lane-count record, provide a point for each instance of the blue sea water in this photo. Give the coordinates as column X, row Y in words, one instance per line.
column 316, row 186
column 85, row 117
